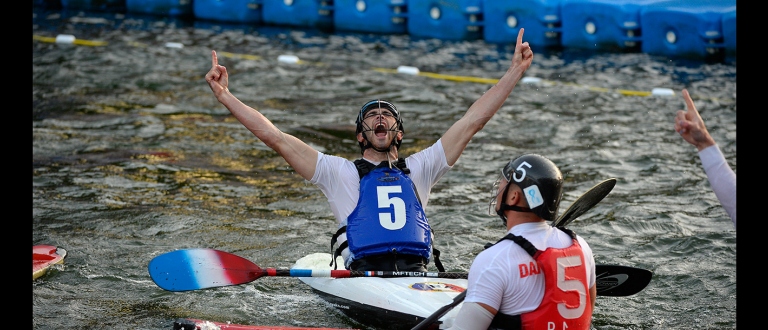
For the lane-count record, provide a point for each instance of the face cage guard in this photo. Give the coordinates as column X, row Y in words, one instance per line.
column 379, row 104
column 376, row 104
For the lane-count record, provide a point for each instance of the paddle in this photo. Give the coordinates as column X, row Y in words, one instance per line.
column 582, row 204
column 620, row 281
column 440, row 312
column 585, row 202
column 194, row 269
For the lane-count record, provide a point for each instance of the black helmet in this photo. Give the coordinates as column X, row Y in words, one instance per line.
column 376, row 104
column 540, row 180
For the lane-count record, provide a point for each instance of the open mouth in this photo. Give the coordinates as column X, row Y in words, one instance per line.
column 380, row 129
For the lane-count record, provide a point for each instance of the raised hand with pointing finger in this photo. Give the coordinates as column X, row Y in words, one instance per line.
column 217, row 77
column 722, row 178
column 690, row 125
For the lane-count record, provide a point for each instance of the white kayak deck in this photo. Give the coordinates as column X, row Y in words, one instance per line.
column 408, row 298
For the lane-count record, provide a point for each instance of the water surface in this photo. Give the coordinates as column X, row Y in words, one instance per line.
column 134, row 157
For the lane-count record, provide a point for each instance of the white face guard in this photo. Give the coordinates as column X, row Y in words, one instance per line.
column 496, row 190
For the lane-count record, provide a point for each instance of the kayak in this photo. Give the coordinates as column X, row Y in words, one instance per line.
column 45, row 256
column 383, row 302
column 195, row 324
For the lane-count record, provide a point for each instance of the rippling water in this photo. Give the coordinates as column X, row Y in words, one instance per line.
column 134, row 157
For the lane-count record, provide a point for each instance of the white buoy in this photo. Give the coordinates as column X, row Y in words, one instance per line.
column 662, row 92
column 65, row 39
column 174, row 45
column 408, row 70
column 288, row 59
column 530, row 80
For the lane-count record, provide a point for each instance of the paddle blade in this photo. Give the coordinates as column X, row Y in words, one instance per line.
column 425, row 323
column 585, row 202
column 194, row 269
column 621, row 281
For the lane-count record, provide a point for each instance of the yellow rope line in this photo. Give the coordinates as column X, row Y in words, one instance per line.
column 493, row 81
column 80, row 42
column 241, row 56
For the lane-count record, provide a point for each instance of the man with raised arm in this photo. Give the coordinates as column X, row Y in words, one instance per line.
column 379, row 199
column 721, row 177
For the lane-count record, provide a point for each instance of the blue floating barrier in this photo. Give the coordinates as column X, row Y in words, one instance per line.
column 539, row 18
column 173, row 8
column 685, row 29
column 446, row 19
column 304, row 13
column 375, row 16
column 729, row 35
column 95, row 5
column 611, row 25
column 233, row 11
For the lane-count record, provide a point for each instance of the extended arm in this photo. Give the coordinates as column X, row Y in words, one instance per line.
column 298, row 154
column 460, row 133
column 721, row 177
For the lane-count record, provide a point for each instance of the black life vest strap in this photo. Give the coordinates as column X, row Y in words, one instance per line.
column 364, row 166
column 503, row 321
column 401, row 165
column 525, row 244
column 436, row 255
column 337, row 252
column 342, row 246
column 568, row 231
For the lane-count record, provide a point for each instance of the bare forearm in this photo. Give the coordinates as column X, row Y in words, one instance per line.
column 491, row 101
column 252, row 119
column 298, row 154
column 460, row 133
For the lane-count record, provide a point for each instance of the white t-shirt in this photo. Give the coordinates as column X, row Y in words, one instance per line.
column 721, row 178
column 338, row 179
column 494, row 277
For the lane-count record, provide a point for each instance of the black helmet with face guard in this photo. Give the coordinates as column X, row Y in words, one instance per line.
column 376, row 104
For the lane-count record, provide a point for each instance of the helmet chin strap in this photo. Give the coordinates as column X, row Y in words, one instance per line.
column 506, row 207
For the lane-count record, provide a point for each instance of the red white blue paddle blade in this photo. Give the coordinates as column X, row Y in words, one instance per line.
column 194, row 269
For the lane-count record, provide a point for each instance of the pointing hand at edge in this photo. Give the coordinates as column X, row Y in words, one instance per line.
column 690, row 125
